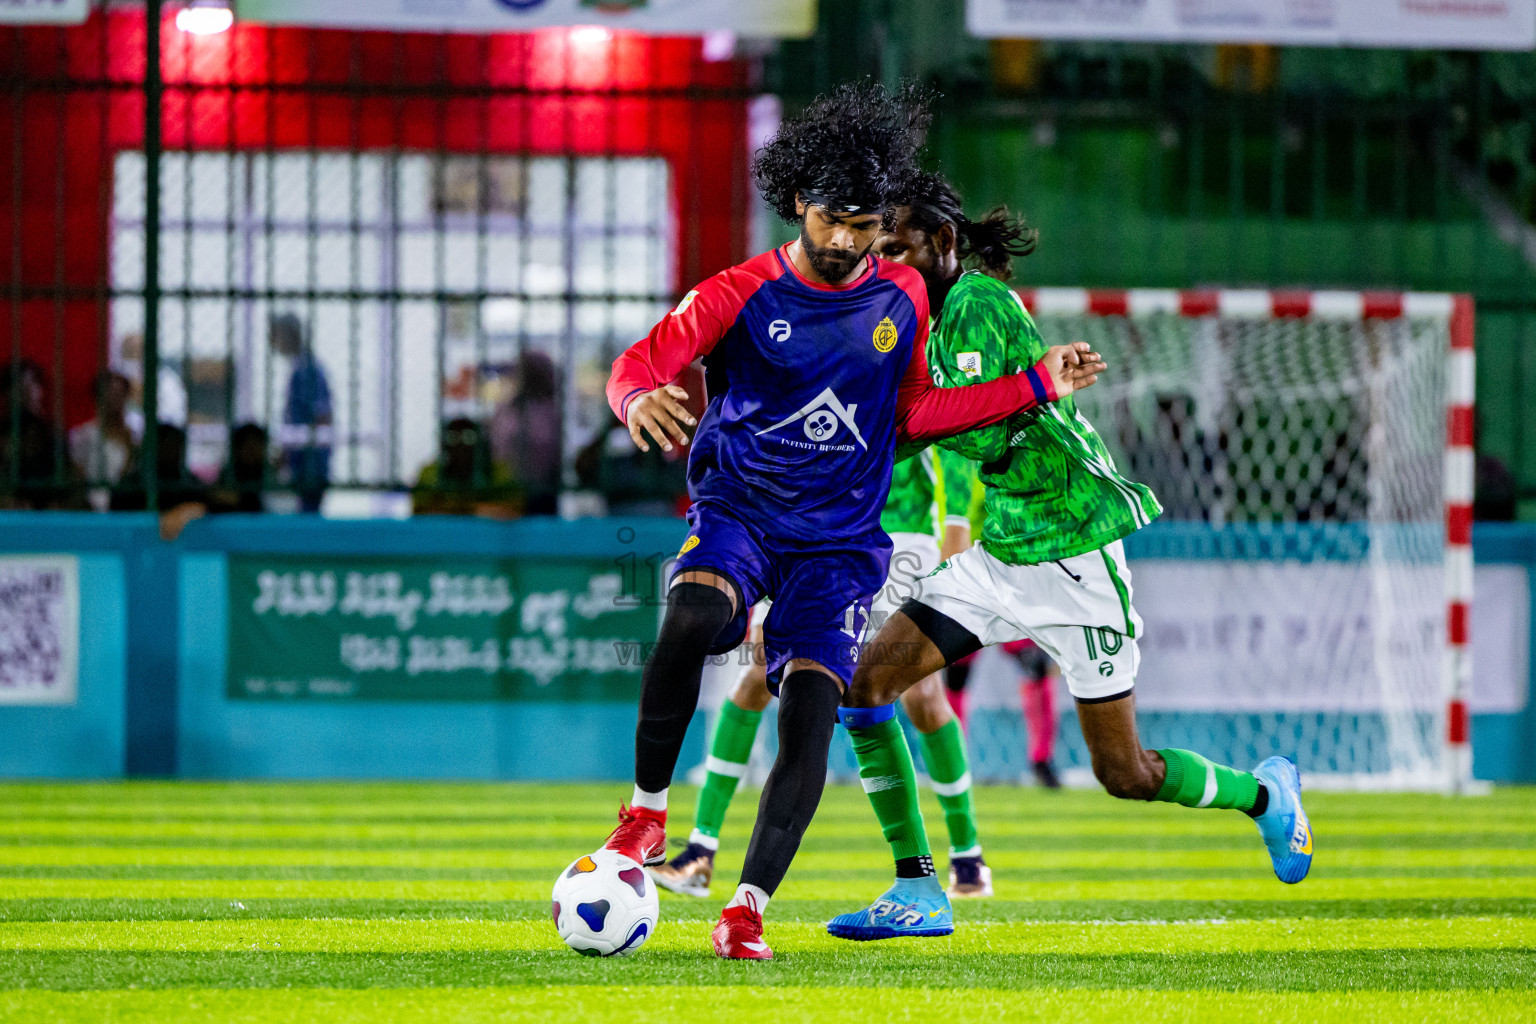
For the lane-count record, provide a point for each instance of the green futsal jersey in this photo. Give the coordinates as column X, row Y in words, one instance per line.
column 1052, row 489
column 928, row 491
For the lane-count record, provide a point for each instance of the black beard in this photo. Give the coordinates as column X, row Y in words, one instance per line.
column 832, row 264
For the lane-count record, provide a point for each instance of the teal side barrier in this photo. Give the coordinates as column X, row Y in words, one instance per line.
column 224, row 737
column 153, row 672
column 1504, row 746
column 119, row 689
column 85, row 739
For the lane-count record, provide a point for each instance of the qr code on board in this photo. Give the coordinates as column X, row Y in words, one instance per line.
column 32, row 642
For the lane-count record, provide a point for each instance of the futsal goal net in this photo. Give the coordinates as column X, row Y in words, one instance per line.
column 1306, row 591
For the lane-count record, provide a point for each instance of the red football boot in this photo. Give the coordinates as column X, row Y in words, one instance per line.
column 739, row 935
column 641, row 835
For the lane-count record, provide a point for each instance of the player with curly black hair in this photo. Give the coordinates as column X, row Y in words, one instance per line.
column 815, row 368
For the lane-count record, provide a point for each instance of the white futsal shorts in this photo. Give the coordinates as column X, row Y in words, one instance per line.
column 913, row 557
column 1077, row 609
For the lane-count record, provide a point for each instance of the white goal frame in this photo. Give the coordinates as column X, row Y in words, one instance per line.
column 1457, row 313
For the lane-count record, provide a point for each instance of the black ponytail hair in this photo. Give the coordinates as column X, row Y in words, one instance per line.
column 991, row 242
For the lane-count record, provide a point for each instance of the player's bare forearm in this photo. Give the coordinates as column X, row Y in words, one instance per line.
column 660, row 414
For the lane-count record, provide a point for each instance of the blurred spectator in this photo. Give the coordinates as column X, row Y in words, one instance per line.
column 183, row 497
column 1174, row 457
column 35, row 472
column 635, row 483
column 101, row 448
column 1495, row 493
column 526, row 433
column 306, row 433
column 465, row 480
column 246, row 477
column 171, row 391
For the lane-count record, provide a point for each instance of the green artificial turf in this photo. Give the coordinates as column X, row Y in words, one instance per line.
column 429, row 902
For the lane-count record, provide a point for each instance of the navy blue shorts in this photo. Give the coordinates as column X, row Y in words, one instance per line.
column 821, row 595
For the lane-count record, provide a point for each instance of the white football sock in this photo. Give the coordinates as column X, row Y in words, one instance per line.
column 650, row 801
column 709, row 843
column 750, row 896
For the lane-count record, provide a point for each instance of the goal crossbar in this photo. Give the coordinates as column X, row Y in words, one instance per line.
column 1455, row 313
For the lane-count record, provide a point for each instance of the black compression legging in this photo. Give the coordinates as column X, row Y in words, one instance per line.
column 808, row 701
column 669, row 685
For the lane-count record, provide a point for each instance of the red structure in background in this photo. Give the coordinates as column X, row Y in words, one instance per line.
column 71, row 98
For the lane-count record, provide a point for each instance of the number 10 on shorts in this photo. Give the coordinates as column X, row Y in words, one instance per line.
column 1109, row 641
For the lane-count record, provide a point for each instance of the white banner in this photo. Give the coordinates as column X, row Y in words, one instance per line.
column 1420, row 24
column 786, row 18
column 1243, row 637
column 44, row 12
column 39, row 629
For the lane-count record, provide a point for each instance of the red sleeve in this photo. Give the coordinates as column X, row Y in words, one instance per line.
column 925, row 412
column 689, row 331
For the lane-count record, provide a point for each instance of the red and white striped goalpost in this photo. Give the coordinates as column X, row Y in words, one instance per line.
column 1460, row 393
column 1458, row 314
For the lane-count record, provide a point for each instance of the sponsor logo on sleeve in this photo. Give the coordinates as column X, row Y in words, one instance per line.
column 885, row 335
column 779, row 330
column 688, row 545
column 969, row 363
column 687, row 300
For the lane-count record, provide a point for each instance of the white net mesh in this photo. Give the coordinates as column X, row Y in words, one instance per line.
column 1293, row 589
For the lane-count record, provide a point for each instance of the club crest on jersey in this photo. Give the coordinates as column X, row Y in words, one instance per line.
column 685, row 302
column 824, row 416
column 969, row 363
column 885, row 335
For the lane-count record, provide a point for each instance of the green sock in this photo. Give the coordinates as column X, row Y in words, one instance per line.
column 885, row 769
column 1195, row 782
column 944, row 754
column 729, row 750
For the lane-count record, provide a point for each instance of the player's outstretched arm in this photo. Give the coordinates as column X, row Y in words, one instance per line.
column 659, row 413
column 925, row 412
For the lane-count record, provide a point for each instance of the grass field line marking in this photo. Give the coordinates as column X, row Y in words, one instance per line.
column 1131, row 825
column 330, row 935
column 1020, row 861
column 1321, row 888
column 450, row 889
column 787, row 1004
column 276, row 796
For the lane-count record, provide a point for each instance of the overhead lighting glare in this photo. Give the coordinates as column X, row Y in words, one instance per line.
column 201, row 18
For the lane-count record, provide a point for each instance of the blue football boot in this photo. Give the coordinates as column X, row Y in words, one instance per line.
column 1284, row 825
column 913, row 906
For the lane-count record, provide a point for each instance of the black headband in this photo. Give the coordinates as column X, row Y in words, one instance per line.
column 937, row 213
column 840, row 204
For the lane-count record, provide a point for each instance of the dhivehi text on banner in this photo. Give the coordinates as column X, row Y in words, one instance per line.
column 409, row 628
column 44, row 12
column 783, row 18
column 39, row 629
column 1415, row 24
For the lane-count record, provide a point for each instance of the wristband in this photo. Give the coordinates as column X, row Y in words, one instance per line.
column 1040, row 382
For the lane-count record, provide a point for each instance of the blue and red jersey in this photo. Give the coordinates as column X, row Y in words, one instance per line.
column 811, row 387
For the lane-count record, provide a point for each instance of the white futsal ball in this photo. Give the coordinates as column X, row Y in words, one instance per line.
column 604, row 904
